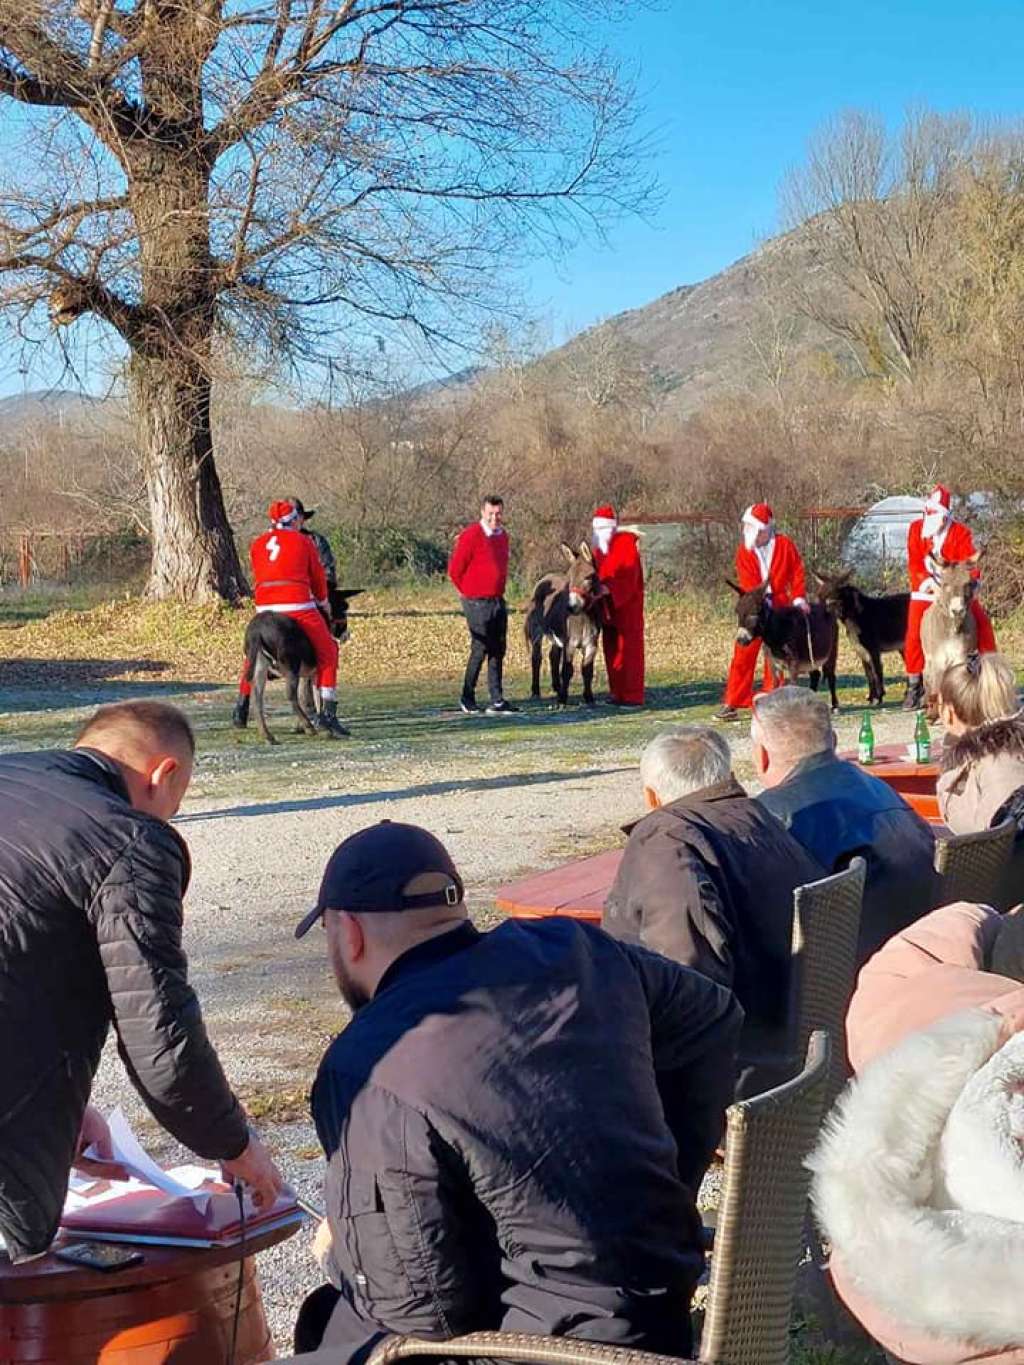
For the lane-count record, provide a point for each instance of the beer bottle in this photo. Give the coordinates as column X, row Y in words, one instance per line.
column 866, row 740
column 922, row 739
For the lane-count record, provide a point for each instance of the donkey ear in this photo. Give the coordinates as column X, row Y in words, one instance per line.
column 586, row 552
column 819, row 578
column 735, row 587
column 569, row 552
column 843, row 576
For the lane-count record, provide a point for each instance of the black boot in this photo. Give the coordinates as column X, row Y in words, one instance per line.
column 913, row 699
column 327, row 722
column 240, row 715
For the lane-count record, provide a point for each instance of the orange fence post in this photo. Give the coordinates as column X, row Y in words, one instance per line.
column 25, row 559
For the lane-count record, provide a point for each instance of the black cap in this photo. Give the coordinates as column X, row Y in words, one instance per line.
column 302, row 511
column 385, row 868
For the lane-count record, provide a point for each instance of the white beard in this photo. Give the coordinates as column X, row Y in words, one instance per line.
column 933, row 523
column 601, row 538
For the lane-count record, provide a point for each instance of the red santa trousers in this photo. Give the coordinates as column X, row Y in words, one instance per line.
column 323, row 642
column 913, row 651
column 739, row 686
column 623, row 643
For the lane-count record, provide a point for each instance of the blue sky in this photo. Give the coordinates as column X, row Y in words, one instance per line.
column 735, row 88
column 732, row 91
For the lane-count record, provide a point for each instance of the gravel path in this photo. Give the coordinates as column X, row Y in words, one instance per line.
column 269, row 1001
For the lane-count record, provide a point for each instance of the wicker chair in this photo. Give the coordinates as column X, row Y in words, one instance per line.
column 753, row 1270
column 826, row 927
column 972, row 867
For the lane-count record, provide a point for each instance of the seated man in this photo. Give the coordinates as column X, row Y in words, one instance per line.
column 707, row 879
column 515, row 1122
column 838, row 811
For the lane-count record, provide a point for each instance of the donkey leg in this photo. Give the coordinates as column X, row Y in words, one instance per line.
column 259, row 684
column 830, row 678
column 815, row 678
column 535, row 649
column 879, row 671
column 303, row 725
column 304, row 704
column 588, row 679
column 563, row 698
column 555, row 663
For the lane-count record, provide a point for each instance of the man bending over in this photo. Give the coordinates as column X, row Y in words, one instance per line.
column 515, row 1122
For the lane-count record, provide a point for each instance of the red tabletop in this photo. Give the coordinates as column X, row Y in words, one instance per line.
column 574, row 889
column 184, row 1305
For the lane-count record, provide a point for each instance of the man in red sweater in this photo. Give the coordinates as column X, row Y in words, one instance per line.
column 617, row 556
column 764, row 556
column 479, row 567
column 934, row 537
column 290, row 578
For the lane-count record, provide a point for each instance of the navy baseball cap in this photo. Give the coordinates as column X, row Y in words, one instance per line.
column 385, row 868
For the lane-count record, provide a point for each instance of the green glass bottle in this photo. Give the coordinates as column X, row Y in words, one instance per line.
column 922, row 739
column 866, row 740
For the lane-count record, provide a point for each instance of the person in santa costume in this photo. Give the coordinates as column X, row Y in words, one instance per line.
column 933, row 537
column 617, row 556
column 764, row 556
column 290, row 578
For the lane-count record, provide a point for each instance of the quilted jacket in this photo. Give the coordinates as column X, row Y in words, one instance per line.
column 90, row 935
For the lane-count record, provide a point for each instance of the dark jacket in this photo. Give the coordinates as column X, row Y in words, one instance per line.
column 708, row 880
column 90, row 928
column 838, row 811
column 514, row 1127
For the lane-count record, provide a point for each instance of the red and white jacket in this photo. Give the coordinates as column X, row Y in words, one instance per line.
column 779, row 562
column 288, row 573
column 954, row 543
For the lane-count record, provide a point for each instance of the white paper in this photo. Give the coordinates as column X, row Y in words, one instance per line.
column 182, row 1181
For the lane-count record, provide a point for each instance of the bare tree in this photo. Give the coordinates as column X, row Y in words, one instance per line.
column 276, row 172
column 874, row 211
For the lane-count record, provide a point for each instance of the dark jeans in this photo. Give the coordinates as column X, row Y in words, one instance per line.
column 487, row 618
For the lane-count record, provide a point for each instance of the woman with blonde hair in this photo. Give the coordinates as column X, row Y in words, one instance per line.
column 982, row 781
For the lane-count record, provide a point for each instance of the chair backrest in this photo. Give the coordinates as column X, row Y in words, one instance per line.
column 972, row 866
column 510, row 1346
column 760, row 1224
column 826, row 927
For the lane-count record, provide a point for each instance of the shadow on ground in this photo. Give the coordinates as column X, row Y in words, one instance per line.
column 396, row 794
column 49, row 685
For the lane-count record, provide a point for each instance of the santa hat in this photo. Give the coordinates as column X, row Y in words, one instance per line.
column 759, row 515
column 605, row 518
column 282, row 513
column 939, row 499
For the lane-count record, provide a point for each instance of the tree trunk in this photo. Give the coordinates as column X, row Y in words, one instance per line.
column 194, row 555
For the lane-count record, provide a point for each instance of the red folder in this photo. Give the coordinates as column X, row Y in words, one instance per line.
column 150, row 1215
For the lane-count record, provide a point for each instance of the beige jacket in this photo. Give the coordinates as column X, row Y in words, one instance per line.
column 981, row 769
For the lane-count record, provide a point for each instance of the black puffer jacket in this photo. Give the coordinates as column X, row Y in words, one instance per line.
column 90, row 933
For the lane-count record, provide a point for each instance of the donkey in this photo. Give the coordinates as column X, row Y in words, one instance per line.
column 795, row 643
column 278, row 647
column 567, row 610
column 874, row 625
column 949, row 631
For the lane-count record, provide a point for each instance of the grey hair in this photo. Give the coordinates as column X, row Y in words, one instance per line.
column 685, row 760
column 793, row 722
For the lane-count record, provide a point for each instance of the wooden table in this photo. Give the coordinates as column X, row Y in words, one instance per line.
column 577, row 889
column 914, row 781
column 178, row 1305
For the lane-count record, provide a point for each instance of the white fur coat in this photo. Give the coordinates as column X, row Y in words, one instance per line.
column 919, row 1182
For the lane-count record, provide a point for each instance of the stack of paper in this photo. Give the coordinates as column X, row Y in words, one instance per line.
column 186, row 1206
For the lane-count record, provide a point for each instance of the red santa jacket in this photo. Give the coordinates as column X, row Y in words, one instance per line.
column 786, row 580
column 621, row 571
column 288, row 572
column 956, row 547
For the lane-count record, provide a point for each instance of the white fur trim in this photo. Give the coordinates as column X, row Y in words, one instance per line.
column 604, row 523
column 947, row 1273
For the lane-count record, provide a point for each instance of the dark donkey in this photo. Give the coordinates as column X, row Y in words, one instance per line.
column 567, row 610
column 276, row 646
column 874, row 625
column 796, row 644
